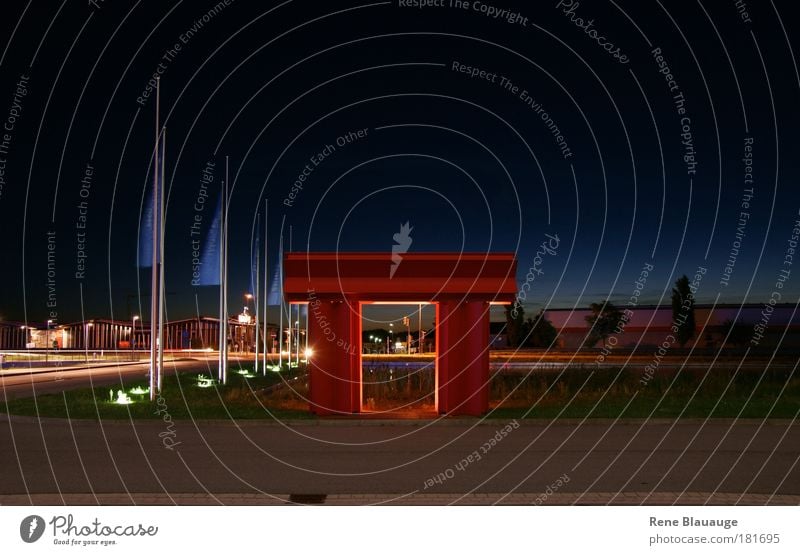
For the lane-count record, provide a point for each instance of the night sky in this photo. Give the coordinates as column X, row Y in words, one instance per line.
column 621, row 128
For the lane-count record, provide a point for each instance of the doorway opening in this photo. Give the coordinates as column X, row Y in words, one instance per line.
column 398, row 358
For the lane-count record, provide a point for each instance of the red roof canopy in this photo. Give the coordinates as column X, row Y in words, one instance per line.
column 417, row 277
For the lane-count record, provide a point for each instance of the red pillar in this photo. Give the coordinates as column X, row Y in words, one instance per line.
column 334, row 330
column 462, row 357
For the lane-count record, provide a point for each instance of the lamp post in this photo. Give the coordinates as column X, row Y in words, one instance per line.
column 47, row 343
column 246, row 340
column 133, row 336
column 420, row 346
column 133, row 330
column 297, row 338
column 86, row 342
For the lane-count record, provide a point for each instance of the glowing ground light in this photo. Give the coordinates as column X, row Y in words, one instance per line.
column 122, row 398
column 246, row 373
column 203, row 381
column 139, row 390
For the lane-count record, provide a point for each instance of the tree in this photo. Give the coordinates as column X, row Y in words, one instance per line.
column 683, row 311
column 603, row 321
column 539, row 331
column 515, row 321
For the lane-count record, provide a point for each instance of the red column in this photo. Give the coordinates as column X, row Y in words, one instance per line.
column 462, row 357
column 335, row 367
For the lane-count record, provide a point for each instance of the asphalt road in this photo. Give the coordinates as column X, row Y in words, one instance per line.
column 390, row 459
column 386, row 460
column 27, row 383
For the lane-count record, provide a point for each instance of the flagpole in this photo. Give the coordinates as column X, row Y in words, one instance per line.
column 256, row 335
column 266, row 280
column 162, row 226
column 291, row 318
column 280, row 300
column 221, row 337
column 154, row 272
column 225, row 282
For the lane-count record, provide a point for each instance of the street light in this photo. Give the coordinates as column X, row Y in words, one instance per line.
column 86, row 342
column 133, row 335
column 245, row 335
column 47, row 343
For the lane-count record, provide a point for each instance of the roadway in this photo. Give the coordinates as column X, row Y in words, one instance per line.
column 51, row 461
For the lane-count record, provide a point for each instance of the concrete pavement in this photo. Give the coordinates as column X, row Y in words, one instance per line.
column 51, row 461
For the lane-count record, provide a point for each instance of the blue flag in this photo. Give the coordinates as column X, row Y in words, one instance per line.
column 274, row 295
column 209, row 261
column 151, row 218
column 254, row 262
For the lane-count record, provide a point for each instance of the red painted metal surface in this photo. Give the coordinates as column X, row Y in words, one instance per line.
column 462, row 286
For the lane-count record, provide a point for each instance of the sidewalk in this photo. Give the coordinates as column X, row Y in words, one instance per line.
column 594, row 498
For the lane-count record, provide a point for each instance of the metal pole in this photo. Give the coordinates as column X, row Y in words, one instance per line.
column 419, row 332
column 266, row 281
column 220, row 337
column 225, row 282
column 154, row 274
column 305, row 351
column 258, row 297
column 280, row 303
column 161, row 300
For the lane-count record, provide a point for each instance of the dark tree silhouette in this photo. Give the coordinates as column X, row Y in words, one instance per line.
column 683, row 311
column 603, row 320
column 539, row 331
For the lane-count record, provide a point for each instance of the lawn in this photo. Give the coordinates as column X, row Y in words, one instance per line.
column 604, row 393
column 182, row 395
column 612, row 393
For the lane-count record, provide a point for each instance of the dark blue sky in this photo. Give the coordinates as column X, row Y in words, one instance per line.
column 471, row 163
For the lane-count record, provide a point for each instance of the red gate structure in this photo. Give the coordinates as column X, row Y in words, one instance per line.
column 462, row 287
